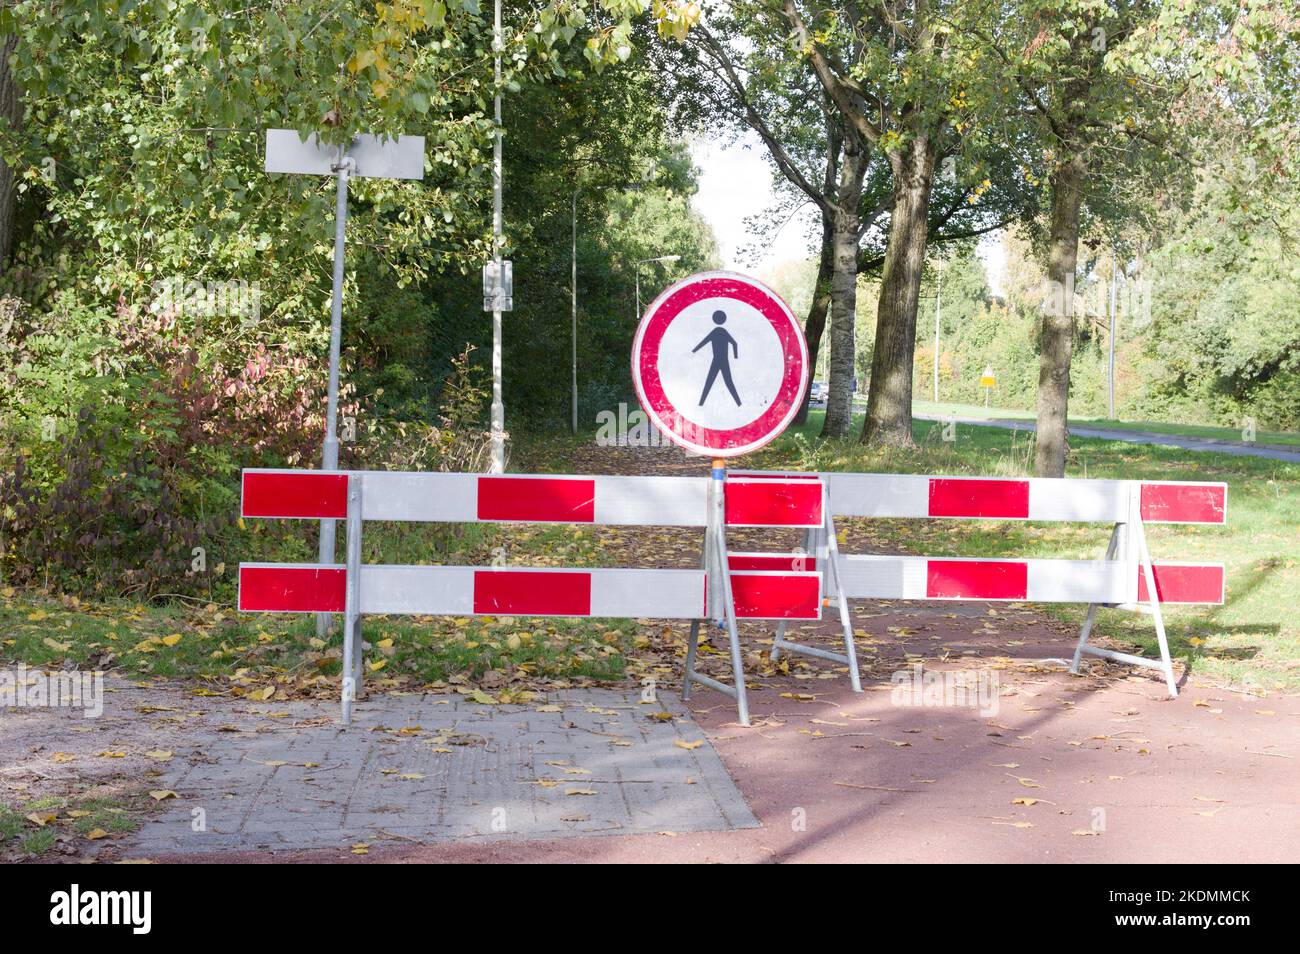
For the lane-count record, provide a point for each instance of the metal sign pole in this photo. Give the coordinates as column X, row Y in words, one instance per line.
column 938, row 295
column 330, row 451
column 498, row 408
column 1110, row 369
column 573, row 289
column 722, row 565
column 400, row 157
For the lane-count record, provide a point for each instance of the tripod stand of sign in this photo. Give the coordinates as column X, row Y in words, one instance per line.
column 720, row 364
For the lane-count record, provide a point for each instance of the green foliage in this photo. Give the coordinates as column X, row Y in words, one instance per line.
column 1223, row 334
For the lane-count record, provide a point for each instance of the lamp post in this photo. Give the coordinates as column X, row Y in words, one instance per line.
column 498, row 464
column 1110, row 370
column 637, row 267
column 938, row 294
column 573, row 280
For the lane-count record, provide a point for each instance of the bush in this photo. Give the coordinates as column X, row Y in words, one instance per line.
column 116, row 502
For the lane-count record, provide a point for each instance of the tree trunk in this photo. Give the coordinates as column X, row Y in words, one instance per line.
column 815, row 324
column 1056, row 338
column 10, row 110
column 889, row 405
column 844, row 291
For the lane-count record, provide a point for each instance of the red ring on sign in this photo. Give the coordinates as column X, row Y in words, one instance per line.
column 650, row 389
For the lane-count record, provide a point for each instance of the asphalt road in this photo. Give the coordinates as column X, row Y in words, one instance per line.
column 1238, row 448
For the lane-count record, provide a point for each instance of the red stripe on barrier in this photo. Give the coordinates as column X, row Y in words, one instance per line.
column 561, row 499
column 771, row 503
column 795, row 562
column 525, row 593
column 976, row 580
column 1184, row 584
column 292, row 589
column 1184, row 503
column 295, row 494
column 764, row 596
column 979, row 498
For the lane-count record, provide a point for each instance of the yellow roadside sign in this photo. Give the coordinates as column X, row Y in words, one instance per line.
column 987, row 380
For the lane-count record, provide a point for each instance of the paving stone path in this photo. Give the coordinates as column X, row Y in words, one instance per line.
column 435, row 767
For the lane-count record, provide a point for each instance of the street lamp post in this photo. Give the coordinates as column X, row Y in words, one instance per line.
column 498, row 464
column 938, row 295
column 1110, row 371
column 573, row 280
column 637, row 267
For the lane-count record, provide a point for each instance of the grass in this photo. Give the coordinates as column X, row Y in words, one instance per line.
column 1253, row 641
column 979, row 412
column 89, row 817
column 267, row 656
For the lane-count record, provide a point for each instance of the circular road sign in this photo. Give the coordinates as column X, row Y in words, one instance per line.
column 720, row 364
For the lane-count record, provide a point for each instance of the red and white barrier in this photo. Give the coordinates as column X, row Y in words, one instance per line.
column 1015, row 498
column 523, row 591
column 1029, row 581
column 753, row 498
column 779, row 586
column 478, row 498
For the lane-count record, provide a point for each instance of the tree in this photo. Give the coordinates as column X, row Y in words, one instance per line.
column 1104, row 83
column 908, row 91
column 10, row 117
column 739, row 70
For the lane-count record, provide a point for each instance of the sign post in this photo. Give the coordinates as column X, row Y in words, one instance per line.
column 720, row 365
column 368, row 156
column 988, row 381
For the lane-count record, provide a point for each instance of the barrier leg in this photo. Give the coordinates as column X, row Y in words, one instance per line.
column 719, row 515
column 729, row 613
column 720, row 600
column 352, row 608
column 1089, row 619
column 1135, row 558
column 1083, row 637
column 1153, row 599
column 833, row 558
column 690, row 660
column 850, row 656
column 778, row 640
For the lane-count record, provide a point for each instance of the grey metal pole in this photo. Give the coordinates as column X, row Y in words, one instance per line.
column 573, row 278
column 637, row 316
column 498, row 408
column 1110, row 374
column 938, row 294
column 330, row 452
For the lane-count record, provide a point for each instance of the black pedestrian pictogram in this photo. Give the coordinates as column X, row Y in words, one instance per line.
column 721, row 341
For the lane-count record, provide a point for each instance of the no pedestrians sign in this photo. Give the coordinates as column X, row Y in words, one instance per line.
column 720, row 364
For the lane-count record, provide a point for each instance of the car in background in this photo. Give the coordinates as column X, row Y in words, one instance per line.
column 818, row 393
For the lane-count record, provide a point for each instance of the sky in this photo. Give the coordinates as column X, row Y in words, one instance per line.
column 736, row 182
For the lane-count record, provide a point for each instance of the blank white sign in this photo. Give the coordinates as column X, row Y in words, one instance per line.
column 376, row 158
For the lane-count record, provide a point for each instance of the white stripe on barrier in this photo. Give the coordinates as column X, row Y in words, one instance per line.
column 651, row 501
